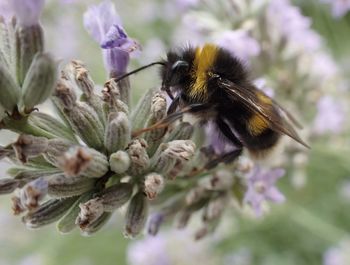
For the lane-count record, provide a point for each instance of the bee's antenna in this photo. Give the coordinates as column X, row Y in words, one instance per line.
column 117, row 79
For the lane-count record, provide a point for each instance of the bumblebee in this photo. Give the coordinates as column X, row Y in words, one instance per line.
column 212, row 84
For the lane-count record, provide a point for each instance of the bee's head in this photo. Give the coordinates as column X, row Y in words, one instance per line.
column 174, row 73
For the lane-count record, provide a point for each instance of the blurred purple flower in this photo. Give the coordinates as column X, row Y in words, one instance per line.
column 185, row 4
column 239, row 43
column 339, row 254
column 175, row 247
column 5, row 10
column 26, row 11
column 261, row 187
column 216, row 140
column 339, row 7
column 324, row 66
column 330, row 116
column 292, row 25
column 104, row 25
column 149, row 251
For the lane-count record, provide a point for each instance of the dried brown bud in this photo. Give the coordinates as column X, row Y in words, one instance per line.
column 83, row 161
column 65, row 93
column 33, row 192
column 138, row 155
column 28, row 146
column 136, row 215
column 8, row 185
column 89, row 212
column 153, row 185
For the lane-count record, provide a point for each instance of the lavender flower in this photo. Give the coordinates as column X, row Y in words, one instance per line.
column 27, row 11
column 104, row 25
column 339, row 7
column 183, row 5
column 156, row 253
column 239, row 43
column 337, row 255
column 6, row 10
column 170, row 248
column 330, row 116
column 291, row 25
column 261, row 188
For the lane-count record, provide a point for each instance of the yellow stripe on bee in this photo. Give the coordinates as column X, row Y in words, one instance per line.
column 263, row 98
column 203, row 61
column 257, row 124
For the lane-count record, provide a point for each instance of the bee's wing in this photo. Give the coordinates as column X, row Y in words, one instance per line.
column 248, row 97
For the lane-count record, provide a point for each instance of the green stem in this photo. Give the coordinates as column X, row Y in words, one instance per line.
column 316, row 224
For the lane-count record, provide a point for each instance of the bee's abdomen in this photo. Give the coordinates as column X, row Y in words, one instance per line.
column 263, row 141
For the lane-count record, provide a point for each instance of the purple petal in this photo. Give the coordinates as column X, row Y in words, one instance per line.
column 274, row 195
column 98, row 20
column 116, row 60
column 27, row 11
column 115, row 37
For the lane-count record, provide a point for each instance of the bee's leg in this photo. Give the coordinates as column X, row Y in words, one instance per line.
column 230, row 156
column 172, row 118
column 174, row 104
column 226, row 158
column 227, row 132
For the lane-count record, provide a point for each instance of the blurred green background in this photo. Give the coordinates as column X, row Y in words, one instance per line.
column 314, row 219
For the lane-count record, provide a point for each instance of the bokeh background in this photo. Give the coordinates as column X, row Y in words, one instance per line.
column 300, row 51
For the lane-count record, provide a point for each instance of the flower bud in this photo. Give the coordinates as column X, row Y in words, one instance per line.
column 96, row 225
column 220, row 180
column 119, row 162
column 67, row 222
column 154, row 223
column 8, row 185
column 50, row 126
column 4, row 152
column 111, row 95
column 141, row 112
column 138, row 156
column 83, row 161
column 171, row 157
column 136, row 215
column 33, row 192
column 84, row 121
column 153, row 185
column 29, row 146
column 9, row 90
column 55, row 150
column 29, row 42
column 117, row 135
column 17, row 206
column 115, row 196
column 6, row 38
column 89, row 212
column 65, row 95
column 182, row 131
column 170, row 208
column 39, row 81
column 196, row 194
column 27, row 174
column 215, row 208
column 157, row 113
column 186, row 213
column 80, row 75
column 49, row 212
column 60, row 185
